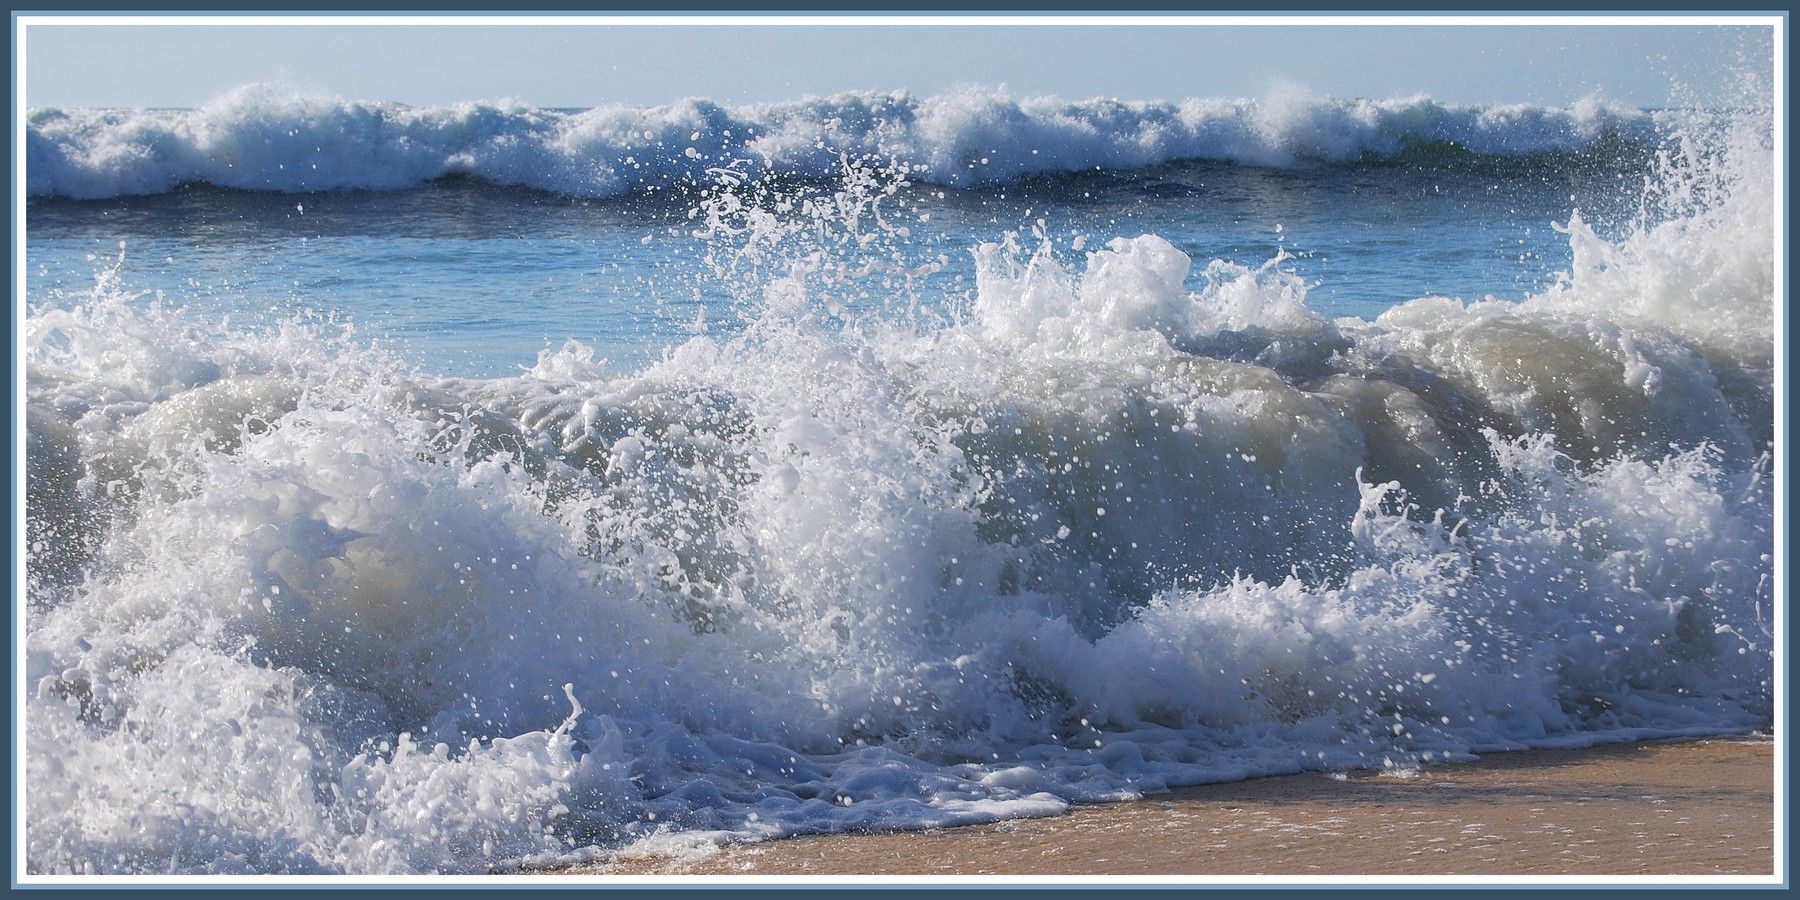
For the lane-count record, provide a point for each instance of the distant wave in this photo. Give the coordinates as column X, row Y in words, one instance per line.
column 262, row 137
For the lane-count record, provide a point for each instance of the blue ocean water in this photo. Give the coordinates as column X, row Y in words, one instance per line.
column 475, row 278
column 481, row 487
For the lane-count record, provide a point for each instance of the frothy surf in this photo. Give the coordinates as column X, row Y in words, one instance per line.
column 1126, row 521
column 267, row 137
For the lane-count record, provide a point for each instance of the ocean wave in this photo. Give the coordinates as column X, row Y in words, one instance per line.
column 295, row 608
column 262, row 137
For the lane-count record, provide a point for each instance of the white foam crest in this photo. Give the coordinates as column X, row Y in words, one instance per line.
column 1597, row 386
column 1132, row 290
column 269, row 137
column 324, row 556
column 205, row 764
column 1498, row 633
column 1662, row 336
column 1699, row 261
column 78, row 347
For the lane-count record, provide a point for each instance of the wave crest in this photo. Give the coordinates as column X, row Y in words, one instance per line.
column 265, row 137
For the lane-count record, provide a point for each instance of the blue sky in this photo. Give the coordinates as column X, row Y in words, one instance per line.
column 171, row 63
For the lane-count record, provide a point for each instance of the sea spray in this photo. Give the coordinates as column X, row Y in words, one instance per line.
column 1114, row 521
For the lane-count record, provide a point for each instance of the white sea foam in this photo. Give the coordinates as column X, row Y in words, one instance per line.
column 295, row 608
column 266, row 137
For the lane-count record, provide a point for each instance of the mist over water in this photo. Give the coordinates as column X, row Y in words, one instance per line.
column 858, row 483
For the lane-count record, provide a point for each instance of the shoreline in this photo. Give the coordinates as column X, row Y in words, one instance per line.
column 1685, row 808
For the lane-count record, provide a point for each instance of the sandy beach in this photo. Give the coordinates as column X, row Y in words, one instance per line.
column 1696, row 808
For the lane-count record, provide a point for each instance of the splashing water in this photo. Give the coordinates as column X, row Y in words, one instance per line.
column 867, row 562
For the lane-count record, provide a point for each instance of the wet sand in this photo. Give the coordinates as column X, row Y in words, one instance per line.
column 1683, row 808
